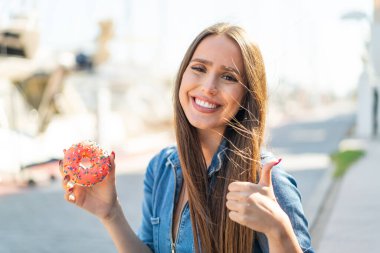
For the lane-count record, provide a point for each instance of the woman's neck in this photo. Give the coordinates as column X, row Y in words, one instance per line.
column 210, row 141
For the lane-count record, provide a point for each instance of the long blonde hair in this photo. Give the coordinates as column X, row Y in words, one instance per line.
column 213, row 231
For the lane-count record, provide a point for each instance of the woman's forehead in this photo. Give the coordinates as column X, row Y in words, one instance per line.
column 221, row 51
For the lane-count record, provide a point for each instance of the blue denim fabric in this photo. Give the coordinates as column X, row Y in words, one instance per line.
column 163, row 178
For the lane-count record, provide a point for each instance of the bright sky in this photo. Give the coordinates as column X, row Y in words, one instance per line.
column 304, row 42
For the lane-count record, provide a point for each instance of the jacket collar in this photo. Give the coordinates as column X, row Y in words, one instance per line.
column 216, row 162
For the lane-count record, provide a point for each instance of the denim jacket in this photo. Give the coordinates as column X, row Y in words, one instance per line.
column 162, row 183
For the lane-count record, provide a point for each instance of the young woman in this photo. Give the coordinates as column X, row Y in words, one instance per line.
column 217, row 191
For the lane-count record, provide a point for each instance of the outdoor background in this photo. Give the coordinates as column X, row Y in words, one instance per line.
column 104, row 70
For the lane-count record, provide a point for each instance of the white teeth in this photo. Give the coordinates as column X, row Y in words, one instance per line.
column 205, row 104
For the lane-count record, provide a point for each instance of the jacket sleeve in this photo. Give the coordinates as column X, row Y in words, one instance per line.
column 289, row 198
column 145, row 232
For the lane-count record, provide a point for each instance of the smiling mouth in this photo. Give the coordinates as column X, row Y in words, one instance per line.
column 204, row 106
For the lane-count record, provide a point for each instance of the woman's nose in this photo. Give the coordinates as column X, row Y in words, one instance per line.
column 209, row 85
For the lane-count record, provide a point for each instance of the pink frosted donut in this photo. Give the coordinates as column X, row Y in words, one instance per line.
column 86, row 163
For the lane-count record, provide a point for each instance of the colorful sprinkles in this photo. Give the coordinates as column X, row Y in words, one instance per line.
column 86, row 163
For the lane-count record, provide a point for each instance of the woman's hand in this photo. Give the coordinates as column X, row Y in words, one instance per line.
column 100, row 199
column 255, row 205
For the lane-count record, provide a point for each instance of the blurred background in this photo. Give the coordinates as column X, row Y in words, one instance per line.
column 104, row 70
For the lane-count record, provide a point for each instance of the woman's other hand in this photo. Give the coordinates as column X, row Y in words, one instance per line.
column 99, row 199
column 254, row 205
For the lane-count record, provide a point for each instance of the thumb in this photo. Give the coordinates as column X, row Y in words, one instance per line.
column 112, row 160
column 266, row 173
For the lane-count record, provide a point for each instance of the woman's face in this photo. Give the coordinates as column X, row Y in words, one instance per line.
column 211, row 90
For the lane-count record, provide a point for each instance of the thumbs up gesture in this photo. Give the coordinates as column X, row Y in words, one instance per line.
column 254, row 205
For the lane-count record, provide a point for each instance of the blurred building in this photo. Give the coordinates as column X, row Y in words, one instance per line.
column 368, row 120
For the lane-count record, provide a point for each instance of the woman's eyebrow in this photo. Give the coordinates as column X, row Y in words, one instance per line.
column 237, row 72
column 202, row 61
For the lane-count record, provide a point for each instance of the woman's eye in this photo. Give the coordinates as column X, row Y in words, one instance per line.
column 198, row 69
column 230, row 78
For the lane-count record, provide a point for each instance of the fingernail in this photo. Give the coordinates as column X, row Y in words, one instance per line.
column 70, row 184
column 279, row 160
column 72, row 197
column 66, row 178
column 113, row 154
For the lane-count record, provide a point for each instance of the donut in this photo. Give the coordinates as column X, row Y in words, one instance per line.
column 86, row 163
